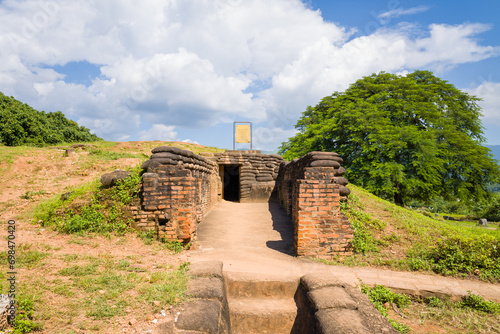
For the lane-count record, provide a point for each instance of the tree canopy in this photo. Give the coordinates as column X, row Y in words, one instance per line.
column 402, row 137
column 20, row 124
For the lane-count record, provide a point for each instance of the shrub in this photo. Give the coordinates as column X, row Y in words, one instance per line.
column 461, row 255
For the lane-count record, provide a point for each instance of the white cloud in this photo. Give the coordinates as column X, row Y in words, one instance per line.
column 159, row 132
column 186, row 63
column 401, row 12
column 489, row 92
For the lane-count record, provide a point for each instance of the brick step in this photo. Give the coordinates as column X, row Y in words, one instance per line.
column 262, row 315
column 243, row 285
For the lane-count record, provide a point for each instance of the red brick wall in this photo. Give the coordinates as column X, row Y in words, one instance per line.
column 310, row 189
column 178, row 189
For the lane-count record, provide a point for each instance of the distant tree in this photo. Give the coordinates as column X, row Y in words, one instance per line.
column 22, row 125
column 402, row 137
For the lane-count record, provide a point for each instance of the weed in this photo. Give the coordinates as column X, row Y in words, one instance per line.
column 363, row 241
column 147, row 236
column 167, row 287
column 459, row 255
column 30, row 259
column 478, row 303
column 24, row 322
column 103, row 213
column 31, row 194
column 379, row 295
column 79, row 271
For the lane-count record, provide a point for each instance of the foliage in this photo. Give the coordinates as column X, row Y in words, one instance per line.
column 379, row 295
column 102, row 213
column 23, row 125
column 24, row 322
column 402, row 137
column 461, row 255
column 478, row 303
column 362, row 224
column 490, row 210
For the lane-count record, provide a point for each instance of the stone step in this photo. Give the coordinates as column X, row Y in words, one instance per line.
column 262, row 315
column 243, row 285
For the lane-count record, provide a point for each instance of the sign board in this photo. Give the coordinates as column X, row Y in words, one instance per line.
column 243, row 134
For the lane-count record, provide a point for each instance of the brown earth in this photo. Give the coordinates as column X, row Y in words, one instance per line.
column 31, row 175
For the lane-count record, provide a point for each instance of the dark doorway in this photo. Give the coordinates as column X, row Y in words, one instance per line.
column 231, row 183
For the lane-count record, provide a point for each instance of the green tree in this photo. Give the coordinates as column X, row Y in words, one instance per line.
column 20, row 124
column 402, row 137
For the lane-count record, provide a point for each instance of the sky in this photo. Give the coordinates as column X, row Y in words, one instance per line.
column 185, row 70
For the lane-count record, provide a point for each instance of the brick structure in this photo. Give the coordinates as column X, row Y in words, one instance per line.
column 247, row 176
column 310, row 189
column 180, row 187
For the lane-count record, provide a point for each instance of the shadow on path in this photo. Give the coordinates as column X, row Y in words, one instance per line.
column 284, row 226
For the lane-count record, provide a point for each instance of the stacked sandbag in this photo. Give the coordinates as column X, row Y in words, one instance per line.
column 168, row 155
column 255, row 168
column 296, row 168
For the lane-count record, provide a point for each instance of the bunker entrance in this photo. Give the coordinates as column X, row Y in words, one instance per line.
column 231, row 180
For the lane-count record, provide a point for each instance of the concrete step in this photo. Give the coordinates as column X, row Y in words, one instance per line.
column 243, row 285
column 262, row 315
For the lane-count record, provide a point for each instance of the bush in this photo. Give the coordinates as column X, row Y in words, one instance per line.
column 23, row 125
column 103, row 213
column 478, row 303
column 379, row 295
column 461, row 255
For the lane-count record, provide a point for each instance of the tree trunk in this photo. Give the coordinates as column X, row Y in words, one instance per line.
column 398, row 196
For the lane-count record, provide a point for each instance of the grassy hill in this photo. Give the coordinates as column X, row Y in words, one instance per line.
column 402, row 239
column 99, row 282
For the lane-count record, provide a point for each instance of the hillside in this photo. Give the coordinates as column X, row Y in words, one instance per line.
column 412, row 240
column 85, row 282
column 23, row 125
column 74, row 283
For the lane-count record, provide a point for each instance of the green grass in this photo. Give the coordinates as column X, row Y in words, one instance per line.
column 472, row 314
column 91, row 209
column 386, row 235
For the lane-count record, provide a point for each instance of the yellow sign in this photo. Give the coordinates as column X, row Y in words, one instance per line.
column 242, row 133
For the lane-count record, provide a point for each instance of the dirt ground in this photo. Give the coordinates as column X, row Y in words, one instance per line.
column 30, row 176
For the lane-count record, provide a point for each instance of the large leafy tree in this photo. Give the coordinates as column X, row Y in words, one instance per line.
column 402, row 137
column 20, row 124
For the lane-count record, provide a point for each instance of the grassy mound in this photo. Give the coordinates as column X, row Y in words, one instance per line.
column 389, row 236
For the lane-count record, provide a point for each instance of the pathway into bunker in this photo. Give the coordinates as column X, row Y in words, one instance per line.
column 257, row 239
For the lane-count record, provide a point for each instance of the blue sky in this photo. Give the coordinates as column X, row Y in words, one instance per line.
column 186, row 70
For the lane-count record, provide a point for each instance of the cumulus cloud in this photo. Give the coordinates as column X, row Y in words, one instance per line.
column 489, row 92
column 159, row 132
column 172, row 64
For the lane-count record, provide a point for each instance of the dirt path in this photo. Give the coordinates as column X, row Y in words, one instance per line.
column 256, row 238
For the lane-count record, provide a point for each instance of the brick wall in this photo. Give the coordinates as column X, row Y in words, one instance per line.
column 310, row 189
column 178, row 189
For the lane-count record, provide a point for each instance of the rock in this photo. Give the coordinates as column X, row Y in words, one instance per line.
column 483, row 222
column 69, row 152
column 5, row 311
column 109, row 180
column 132, row 322
column 65, row 196
column 156, row 303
